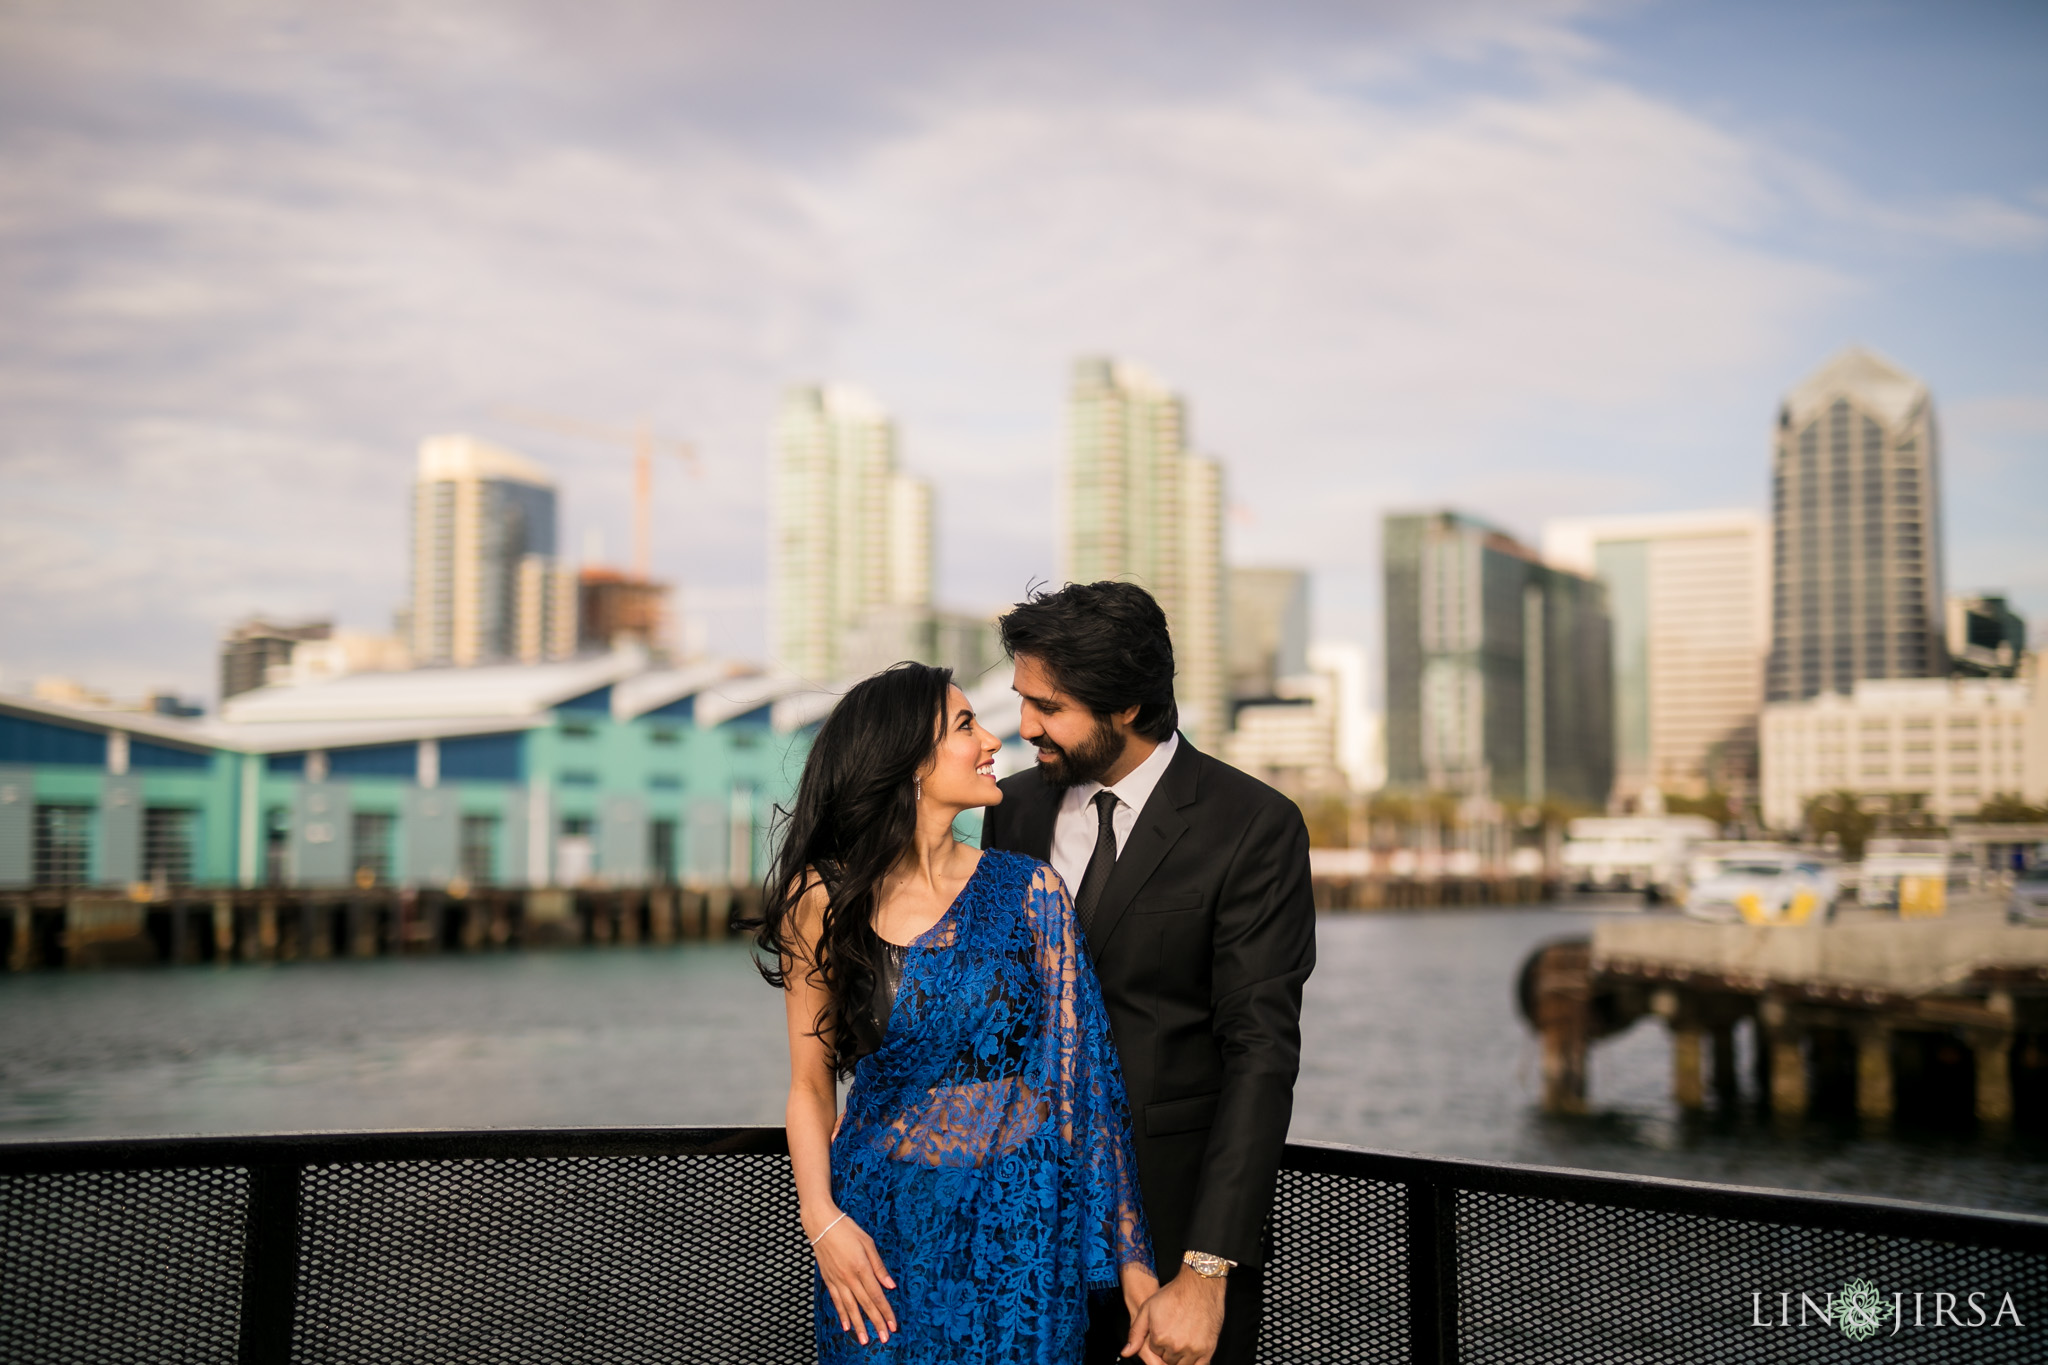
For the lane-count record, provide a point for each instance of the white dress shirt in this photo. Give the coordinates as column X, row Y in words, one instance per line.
column 1073, row 831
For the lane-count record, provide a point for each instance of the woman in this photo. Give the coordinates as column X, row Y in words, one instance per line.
column 981, row 1182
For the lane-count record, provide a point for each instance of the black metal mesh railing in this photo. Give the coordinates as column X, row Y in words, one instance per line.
column 682, row 1245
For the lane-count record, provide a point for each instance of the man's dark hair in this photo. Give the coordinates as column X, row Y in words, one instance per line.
column 1106, row 645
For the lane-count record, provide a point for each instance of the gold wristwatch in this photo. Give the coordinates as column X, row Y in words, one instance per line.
column 1207, row 1266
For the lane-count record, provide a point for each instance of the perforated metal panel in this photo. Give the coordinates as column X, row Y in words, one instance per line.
column 1546, row 1280
column 105, row 1266
column 580, row 1259
column 682, row 1245
column 1337, row 1277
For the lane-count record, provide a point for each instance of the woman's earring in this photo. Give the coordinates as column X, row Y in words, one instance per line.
column 917, row 790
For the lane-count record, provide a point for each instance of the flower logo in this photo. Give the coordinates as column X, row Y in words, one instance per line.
column 1860, row 1310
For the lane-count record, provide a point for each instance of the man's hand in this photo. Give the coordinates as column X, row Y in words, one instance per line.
column 1179, row 1325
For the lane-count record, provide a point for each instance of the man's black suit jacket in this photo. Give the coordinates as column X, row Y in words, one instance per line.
column 1202, row 939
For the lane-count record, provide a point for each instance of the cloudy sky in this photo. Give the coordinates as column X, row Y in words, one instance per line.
column 1529, row 258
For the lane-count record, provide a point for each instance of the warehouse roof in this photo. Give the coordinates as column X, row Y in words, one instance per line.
column 502, row 690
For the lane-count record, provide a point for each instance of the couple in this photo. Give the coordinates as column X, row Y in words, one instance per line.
column 989, row 1193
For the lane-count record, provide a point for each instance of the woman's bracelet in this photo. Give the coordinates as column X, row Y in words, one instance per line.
column 827, row 1228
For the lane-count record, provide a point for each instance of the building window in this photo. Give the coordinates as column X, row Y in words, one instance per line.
column 372, row 842
column 576, row 729
column 661, row 850
column 662, row 735
column 579, row 778
column 63, row 845
column 277, row 838
column 167, row 845
column 479, row 849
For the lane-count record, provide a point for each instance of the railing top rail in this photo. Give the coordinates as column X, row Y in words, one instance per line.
column 1853, row 1213
column 1797, row 1208
column 412, row 1144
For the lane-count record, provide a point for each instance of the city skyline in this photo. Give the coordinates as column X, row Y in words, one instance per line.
column 1534, row 261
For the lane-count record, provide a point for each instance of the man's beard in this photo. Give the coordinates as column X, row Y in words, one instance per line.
column 1086, row 762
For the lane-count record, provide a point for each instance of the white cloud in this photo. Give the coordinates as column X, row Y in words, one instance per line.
column 1366, row 303
column 1394, row 253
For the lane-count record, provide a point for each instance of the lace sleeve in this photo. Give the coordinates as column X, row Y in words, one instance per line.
column 1089, row 1105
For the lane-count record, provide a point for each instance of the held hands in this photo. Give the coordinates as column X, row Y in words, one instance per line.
column 1139, row 1284
column 854, row 1274
column 1179, row 1324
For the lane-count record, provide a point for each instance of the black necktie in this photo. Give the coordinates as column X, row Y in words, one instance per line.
column 1101, row 862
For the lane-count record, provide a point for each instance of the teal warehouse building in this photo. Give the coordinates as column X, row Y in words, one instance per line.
column 604, row 772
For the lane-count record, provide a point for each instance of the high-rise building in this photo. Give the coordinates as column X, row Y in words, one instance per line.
column 1268, row 629
column 1140, row 508
column 487, row 586
column 852, row 538
column 252, row 648
column 1856, row 583
column 1689, row 597
column 1499, row 667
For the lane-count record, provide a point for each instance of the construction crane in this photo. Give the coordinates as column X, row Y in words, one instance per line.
column 644, row 444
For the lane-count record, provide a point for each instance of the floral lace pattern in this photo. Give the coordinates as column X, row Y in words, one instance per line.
column 986, row 1145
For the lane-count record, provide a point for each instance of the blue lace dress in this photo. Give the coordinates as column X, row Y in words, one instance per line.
column 986, row 1144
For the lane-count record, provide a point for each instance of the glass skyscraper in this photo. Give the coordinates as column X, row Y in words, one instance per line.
column 852, row 539
column 1856, row 584
column 1140, row 508
column 487, row 585
column 1499, row 667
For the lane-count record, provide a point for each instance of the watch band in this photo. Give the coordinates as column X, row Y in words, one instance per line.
column 1207, row 1266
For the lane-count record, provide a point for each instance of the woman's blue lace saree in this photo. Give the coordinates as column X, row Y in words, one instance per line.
column 986, row 1145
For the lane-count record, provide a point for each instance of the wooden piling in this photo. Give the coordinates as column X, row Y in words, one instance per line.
column 1727, row 1080
column 1874, row 1090
column 266, row 930
column 223, row 928
column 1688, row 1080
column 1562, row 976
column 1993, row 1053
column 1788, row 1074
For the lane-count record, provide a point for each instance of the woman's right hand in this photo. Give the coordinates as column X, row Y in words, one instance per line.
column 854, row 1276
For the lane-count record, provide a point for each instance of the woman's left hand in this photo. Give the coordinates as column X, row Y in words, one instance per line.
column 1139, row 1284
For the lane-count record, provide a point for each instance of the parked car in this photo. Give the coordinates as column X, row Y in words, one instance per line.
column 2029, row 903
column 1763, row 886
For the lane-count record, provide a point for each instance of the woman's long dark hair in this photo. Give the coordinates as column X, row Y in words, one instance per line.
column 854, row 815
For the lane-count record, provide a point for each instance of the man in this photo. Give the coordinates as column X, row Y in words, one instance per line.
column 1191, row 885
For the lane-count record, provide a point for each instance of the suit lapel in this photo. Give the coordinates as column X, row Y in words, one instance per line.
column 1037, row 806
column 1160, row 825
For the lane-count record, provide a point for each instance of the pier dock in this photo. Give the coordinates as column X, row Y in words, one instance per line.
column 93, row 927
column 1854, row 1012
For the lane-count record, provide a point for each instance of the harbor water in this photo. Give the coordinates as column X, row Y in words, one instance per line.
column 1411, row 1041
